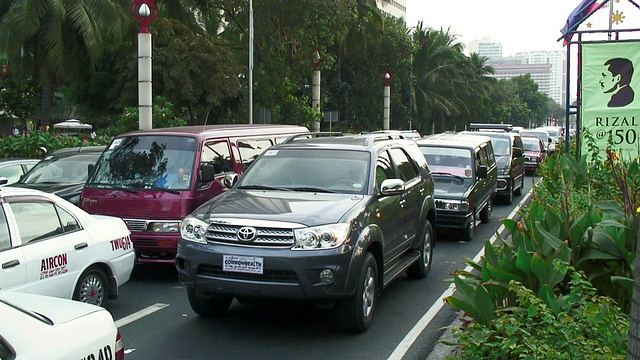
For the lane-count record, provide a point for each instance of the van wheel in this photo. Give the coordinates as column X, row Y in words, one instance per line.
column 508, row 199
column 485, row 214
column 467, row 233
column 92, row 287
column 217, row 306
column 420, row 269
column 518, row 192
column 355, row 313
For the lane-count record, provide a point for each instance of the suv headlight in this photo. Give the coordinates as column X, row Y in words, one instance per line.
column 320, row 237
column 504, row 171
column 193, row 229
column 166, row 227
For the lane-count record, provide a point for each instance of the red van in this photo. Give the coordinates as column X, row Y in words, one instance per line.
column 152, row 179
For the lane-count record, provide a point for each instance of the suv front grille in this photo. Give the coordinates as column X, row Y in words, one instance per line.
column 266, row 236
column 283, row 276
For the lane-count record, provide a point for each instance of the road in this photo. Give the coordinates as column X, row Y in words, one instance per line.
column 156, row 321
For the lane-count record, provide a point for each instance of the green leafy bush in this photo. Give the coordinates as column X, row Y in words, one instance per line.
column 587, row 326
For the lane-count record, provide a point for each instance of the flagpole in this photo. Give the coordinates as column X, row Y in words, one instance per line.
column 610, row 19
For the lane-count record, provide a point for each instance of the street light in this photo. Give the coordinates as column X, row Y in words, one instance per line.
column 145, row 11
column 315, row 90
column 386, row 75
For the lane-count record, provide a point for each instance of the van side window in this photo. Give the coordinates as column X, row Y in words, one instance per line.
column 406, row 169
column 250, row 149
column 218, row 154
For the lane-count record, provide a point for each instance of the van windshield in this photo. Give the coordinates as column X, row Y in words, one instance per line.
column 147, row 162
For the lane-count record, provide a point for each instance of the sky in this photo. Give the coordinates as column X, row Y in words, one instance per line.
column 518, row 25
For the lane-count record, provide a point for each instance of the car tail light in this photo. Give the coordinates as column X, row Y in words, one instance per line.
column 119, row 347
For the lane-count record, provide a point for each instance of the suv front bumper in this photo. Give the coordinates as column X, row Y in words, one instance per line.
column 287, row 274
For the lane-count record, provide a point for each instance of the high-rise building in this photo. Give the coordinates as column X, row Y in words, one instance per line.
column 547, row 68
column 397, row 8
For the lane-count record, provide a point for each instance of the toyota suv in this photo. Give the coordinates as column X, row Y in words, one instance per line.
column 330, row 220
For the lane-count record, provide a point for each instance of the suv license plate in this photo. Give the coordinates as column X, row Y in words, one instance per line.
column 244, row 264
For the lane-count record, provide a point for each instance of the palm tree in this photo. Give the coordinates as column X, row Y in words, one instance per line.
column 440, row 81
column 55, row 41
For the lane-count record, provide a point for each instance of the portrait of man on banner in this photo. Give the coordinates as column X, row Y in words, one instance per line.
column 616, row 80
column 610, row 110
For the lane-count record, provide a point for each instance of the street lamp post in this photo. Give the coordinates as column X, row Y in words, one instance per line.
column 315, row 89
column 145, row 11
column 387, row 99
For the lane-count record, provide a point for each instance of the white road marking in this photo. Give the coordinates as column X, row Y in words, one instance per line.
column 426, row 319
column 140, row 314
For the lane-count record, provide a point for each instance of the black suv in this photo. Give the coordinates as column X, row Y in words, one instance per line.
column 465, row 174
column 509, row 152
column 331, row 220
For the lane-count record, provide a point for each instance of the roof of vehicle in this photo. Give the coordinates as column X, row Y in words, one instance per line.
column 81, row 149
column 493, row 134
column 456, row 140
column 20, row 191
column 492, row 127
column 407, row 134
column 348, row 141
column 221, row 130
column 18, row 161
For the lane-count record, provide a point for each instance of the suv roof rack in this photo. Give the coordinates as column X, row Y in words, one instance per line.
column 372, row 137
column 479, row 126
column 310, row 135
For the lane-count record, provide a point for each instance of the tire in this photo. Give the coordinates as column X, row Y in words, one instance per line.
column 508, row 199
column 420, row 269
column 485, row 213
column 467, row 233
column 215, row 307
column 518, row 192
column 92, row 287
column 355, row 313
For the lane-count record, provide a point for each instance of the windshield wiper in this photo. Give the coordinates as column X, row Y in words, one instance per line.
column 115, row 187
column 262, row 187
column 172, row 191
column 312, row 189
column 448, row 174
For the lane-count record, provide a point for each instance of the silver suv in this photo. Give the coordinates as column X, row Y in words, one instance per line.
column 331, row 220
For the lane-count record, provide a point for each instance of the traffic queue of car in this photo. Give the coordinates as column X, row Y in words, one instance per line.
column 128, row 201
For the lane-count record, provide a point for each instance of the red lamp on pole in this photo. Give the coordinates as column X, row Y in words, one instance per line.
column 145, row 11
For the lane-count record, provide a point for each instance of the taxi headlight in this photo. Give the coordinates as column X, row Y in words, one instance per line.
column 321, row 237
column 193, row 229
column 165, row 227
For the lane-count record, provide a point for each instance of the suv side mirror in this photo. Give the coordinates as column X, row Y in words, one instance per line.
column 230, row 180
column 392, row 187
column 482, row 172
column 206, row 173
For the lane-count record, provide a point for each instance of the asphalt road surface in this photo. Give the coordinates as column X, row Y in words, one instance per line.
column 156, row 321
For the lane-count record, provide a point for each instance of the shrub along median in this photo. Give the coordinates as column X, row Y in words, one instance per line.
column 560, row 286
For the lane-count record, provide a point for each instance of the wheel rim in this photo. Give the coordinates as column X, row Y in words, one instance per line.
column 92, row 290
column 426, row 252
column 368, row 293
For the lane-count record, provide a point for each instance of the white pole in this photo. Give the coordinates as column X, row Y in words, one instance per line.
column 250, row 61
column 610, row 18
column 315, row 97
column 387, row 103
column 144, row 82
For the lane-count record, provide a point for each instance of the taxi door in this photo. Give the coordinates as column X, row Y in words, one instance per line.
column 56, row 250
column 13, row 269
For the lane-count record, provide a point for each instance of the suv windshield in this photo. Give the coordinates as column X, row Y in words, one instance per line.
column 531, row 144
column 147, row 162
column 64, row 170
column 309, row 170
column 447, row 160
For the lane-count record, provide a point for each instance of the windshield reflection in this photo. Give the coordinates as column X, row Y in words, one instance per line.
column 147, row 162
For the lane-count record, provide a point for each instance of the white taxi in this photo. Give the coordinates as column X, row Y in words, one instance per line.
column 42, row 327
column 49, row 246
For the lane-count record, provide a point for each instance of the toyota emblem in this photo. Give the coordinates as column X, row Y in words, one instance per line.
column 247, row 233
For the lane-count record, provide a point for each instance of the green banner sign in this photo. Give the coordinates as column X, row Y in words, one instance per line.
column 611, row 96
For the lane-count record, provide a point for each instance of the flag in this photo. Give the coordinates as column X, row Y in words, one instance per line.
column 577, row 16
